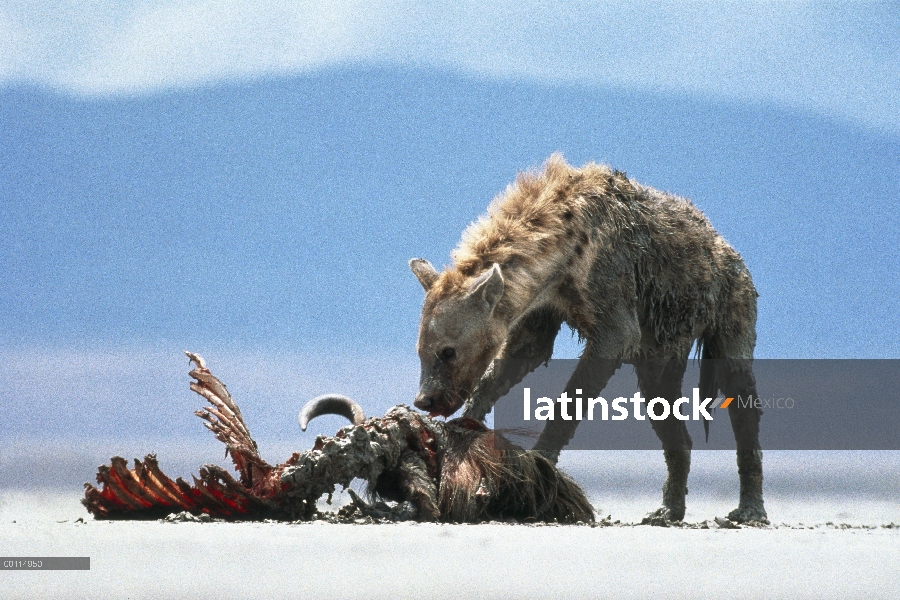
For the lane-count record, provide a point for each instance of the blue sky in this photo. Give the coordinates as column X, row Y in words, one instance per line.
column 249, row 179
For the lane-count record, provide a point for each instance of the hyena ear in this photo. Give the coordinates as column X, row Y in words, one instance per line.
column 488, row 286
column 424, row 272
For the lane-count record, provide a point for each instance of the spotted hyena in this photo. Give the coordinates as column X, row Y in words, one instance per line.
column 641, row 275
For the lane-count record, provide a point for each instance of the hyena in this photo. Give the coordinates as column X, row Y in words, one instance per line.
column 639, row 274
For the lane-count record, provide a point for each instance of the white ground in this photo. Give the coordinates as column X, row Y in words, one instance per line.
column 317, row 560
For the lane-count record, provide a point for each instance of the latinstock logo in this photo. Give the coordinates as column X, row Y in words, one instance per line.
column 656, row 409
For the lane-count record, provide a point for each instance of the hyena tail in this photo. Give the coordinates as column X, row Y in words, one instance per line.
column 709, row 383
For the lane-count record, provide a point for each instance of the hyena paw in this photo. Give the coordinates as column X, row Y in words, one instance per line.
column 749, row 513
column 663, row 516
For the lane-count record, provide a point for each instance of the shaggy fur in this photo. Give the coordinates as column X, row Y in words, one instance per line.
column 483, row 477
column 462, row 472
column 605, row 241
column 640, row 275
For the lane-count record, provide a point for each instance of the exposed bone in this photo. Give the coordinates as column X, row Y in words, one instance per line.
column 453, row 471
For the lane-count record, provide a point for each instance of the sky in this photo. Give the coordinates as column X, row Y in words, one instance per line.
column 837, row 59
column 248, row 180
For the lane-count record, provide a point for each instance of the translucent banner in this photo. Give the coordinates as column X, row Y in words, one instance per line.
column 804, row 404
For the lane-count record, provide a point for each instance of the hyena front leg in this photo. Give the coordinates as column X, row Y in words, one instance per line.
column 590, row 377
column 528, row 346
column 619, row 336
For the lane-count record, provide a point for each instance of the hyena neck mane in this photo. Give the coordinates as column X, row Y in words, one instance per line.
column 540, row 232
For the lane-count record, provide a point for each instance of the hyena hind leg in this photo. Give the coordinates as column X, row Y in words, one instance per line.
column 733, row 360
column 739, row 381
column 662, row 379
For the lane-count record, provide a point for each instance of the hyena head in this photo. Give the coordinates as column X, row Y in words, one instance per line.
column 459, row 336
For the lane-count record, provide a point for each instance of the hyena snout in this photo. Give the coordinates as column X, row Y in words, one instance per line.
column 436, row 402
column 426, row 400
column 434, row 394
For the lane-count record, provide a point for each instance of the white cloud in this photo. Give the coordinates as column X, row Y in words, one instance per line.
column 840, row 61
column 175, row 45
column 145, row 47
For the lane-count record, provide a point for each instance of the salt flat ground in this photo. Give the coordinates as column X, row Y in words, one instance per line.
column 800, row 557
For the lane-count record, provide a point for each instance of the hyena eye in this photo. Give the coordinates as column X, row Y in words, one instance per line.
column 448, row 353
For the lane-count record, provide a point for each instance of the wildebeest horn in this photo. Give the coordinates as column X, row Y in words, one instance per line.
column 331, row 404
